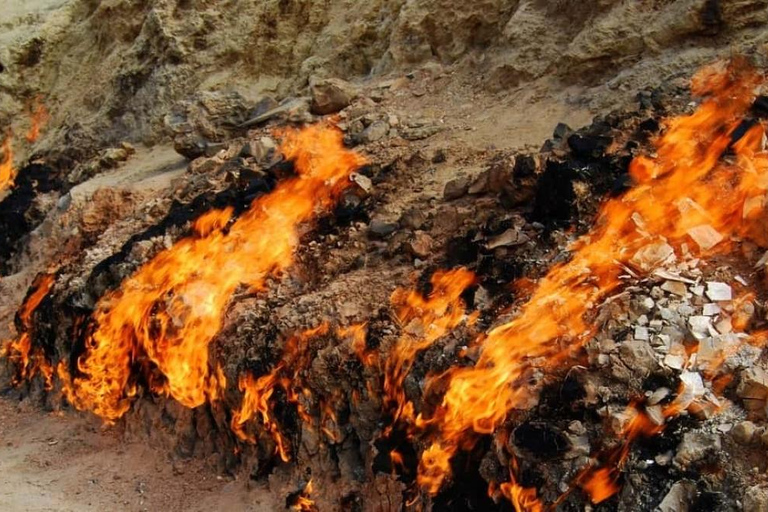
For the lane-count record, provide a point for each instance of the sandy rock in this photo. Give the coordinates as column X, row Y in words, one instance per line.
column 680, row 495
column 753, row 390
column 330, row 95
column 756, row 499
column 744, row 432
column 696, row 446
column 420, row 245
column 261, row 149
column 375, row 131
column 455, row 189
column 413, row 218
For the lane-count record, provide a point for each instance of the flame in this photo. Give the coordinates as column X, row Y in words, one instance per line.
column 28, row 360
column 524, row 499
column 302, row 501
column 257, row 391
column 424, row 320
column 688, row 192
column 7, row 171
column 169, row 311
column 39, row 115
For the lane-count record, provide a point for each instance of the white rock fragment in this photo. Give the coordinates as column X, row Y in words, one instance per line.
column 653, row 255
column 674, row 361
column 710, row 309
column 700, row 325
column 641, row 333
column 718, row 291
column 724, row 326
column 697, row 290
column 658, row 395
column 705, row 236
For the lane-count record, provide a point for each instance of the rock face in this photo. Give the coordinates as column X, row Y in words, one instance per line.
column 161, row 52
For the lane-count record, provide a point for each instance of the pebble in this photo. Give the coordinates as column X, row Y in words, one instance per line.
column 744, row 432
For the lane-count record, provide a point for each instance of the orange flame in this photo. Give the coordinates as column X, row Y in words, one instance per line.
column 689, row 192
column 29, row 360
column 169, row 311
column 424, row 320
column 524, row 499
column 7, row 171
column 303, row 502
column 40, row 117
column 257, row 392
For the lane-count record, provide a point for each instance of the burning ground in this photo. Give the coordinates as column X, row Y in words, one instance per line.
column 577, row 326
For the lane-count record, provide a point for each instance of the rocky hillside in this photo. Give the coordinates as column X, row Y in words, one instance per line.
column 111, row 70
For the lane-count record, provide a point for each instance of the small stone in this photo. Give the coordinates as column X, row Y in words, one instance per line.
column 744, row 432
column 695, row 447
column 261, row 150
column 648, row 304
column 700, row 325
column 510, row 237
column 420, row 245
column 710, row 309
column 375, row 131
column 414, row 218
column 455, row 189
column 330, row 95
column 641, row 333
column 652, row 255
column 756, row 499
column 697, row 290
column 705, row 236
column 675, row 287
column 717, row 291
column 674, row 361
column 679, row 497
column 363, row 182
column 379, row 228
column 658, row 395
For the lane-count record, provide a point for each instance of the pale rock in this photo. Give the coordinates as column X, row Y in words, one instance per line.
column 756, row 499
column 510, row 237
column 674, row 361
column 710, row 309
column 675, row 287
column 658, row 395
column 724, row 326
column 420, row 245
column 330, row 95
column 717, row 291
column 697, row 290
column 705, row 236
column 641, row 333
column 744, row 432
column 695, row 447
column 679, row 497
column 653, row 255
column 700, row 325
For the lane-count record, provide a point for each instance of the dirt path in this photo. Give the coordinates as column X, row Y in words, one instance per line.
column 69, row 462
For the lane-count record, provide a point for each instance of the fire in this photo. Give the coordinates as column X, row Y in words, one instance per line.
column 424, row 320
column 524, row 499
column 690, row 193
column 302, row 500
column 165, row 316
column 257, row 391
column 39, row 115
column 7, row 171
column 28, row 360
